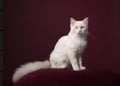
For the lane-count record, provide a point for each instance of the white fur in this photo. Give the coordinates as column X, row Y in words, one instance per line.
column 67, row 52
column 28, row 68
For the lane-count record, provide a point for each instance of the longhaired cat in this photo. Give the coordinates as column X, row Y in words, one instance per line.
column 67, row 51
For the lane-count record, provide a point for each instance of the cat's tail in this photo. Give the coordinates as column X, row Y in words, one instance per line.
column 28, row 68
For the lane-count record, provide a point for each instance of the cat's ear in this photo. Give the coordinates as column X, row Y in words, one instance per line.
column 85, row 20
column 72, row 21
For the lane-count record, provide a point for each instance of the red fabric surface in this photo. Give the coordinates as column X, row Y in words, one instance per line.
column 66, row 77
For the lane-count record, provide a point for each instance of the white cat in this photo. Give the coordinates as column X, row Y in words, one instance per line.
column 67, row 52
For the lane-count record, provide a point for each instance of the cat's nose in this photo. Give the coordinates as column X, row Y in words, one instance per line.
column 81, row 28
column 82, row 31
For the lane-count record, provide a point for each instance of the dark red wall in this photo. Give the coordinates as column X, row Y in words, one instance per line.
column 32, row 27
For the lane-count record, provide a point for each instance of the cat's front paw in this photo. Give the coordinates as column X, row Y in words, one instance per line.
column 82, row 68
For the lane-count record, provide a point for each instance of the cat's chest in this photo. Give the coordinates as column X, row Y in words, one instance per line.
column 78, row 43
column 79, row 48
column 66, row 43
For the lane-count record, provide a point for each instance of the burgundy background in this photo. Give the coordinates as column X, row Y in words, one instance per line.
column 32, row 27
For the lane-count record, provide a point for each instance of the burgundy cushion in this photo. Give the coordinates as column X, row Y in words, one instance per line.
column 67, row 77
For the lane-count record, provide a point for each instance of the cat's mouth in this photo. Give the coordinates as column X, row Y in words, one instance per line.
column 83, row 32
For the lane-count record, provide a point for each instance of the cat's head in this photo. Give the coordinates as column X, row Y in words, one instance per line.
column 79, row 27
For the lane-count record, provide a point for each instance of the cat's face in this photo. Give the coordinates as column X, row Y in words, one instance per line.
column 79, row 27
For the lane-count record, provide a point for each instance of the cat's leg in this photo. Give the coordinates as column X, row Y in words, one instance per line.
column 80, row 64
column 59, row 67
column 64, row 63
column 59, row 62
column 62, row 66
column 74, row 62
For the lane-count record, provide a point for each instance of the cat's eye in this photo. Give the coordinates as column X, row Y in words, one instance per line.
column 82, row 27
column 76, row 27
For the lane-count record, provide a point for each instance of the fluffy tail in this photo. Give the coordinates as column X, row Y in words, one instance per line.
column 28, row 68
